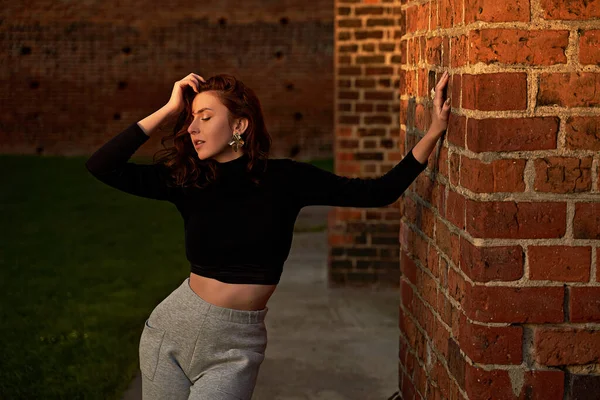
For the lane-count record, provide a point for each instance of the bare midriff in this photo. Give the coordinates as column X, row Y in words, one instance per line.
column 229, row 295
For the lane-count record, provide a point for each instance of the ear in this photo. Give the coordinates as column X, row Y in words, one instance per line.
column 241, row 125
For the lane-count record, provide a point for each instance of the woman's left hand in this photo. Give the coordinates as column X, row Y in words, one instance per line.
column 441, row 107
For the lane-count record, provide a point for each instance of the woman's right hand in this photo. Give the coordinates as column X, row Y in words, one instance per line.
column 176, row 102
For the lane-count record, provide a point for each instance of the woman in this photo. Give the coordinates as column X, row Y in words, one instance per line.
column 207, row 339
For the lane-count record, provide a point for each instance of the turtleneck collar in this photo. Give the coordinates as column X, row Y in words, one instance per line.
column 235, row 163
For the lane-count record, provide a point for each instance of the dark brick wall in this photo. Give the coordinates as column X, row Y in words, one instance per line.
column 364, row 245
column 76, row 74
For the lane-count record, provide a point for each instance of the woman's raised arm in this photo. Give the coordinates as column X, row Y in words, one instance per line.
column 109, row 164
column 311, row 185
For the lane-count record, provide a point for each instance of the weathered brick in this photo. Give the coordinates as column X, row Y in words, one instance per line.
column 515, row 304
column 433, row 50
column 408, row 266
column 455, row 211
column 563, row 174
column 535, row 384
column 450, row 13
column 456, row 131
column 497, row 176
column 518, row 46
column 516, row 220
column 491, row 344
column 456, row 362
column 589, row 47
column 584, row 304
column 569, row 10
column 566, row 346
column 459, row 51
column 487, row 92
column 494, row 11
column 448, row 241
column 512, row 134
column 586, row 224
column 559, row 263
column 583, row 133
column 491, row 263
column 569, row 89
column 457, row 286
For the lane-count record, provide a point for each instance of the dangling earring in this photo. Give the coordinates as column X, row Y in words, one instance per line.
column 237, row 142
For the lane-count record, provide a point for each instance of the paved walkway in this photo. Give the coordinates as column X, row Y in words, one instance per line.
column 324, row 344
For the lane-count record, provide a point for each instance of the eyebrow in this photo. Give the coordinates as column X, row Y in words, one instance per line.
column 202, row 109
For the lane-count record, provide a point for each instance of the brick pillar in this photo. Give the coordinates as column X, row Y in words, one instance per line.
column 364, row 248
column 500, row 255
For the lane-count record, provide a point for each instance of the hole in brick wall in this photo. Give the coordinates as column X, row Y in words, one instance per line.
column 289, row 86
column 284, row 20
column 117, row 116
column 279, row 55
column 34, row 85
column 126, row 50
column 294, row 150
column 298, row 116
column 122, row 85
column 328, row 148
column 222, row 21
column 25, row 50
column 39, row 150
column 480, row 10
column 432, row 81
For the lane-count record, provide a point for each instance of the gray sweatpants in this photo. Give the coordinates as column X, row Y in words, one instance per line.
column 192, row 349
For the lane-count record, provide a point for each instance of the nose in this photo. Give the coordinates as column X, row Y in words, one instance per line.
column 192, row 129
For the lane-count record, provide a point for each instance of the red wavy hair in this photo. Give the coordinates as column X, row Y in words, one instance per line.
column 241, row 102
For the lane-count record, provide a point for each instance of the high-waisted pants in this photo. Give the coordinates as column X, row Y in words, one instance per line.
column 192, row 349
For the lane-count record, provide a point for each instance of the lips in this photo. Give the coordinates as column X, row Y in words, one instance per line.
column 199, row 144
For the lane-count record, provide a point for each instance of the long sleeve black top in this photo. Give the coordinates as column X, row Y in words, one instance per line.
column 237, row 232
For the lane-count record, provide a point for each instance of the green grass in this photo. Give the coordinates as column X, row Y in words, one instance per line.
column 82, row 265
column 325, row 163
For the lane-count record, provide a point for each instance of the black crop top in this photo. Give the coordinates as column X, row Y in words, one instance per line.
column 236, row 232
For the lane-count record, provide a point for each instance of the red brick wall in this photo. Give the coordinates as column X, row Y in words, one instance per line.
column 74, row 74
column 500, row 240
column 364, row 248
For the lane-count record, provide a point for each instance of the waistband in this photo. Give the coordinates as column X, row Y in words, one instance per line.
column 226, row 314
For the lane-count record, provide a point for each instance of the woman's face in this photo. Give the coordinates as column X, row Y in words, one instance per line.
column 210, row 125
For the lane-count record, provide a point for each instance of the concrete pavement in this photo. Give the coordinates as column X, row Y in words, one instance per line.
column 324, row 344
